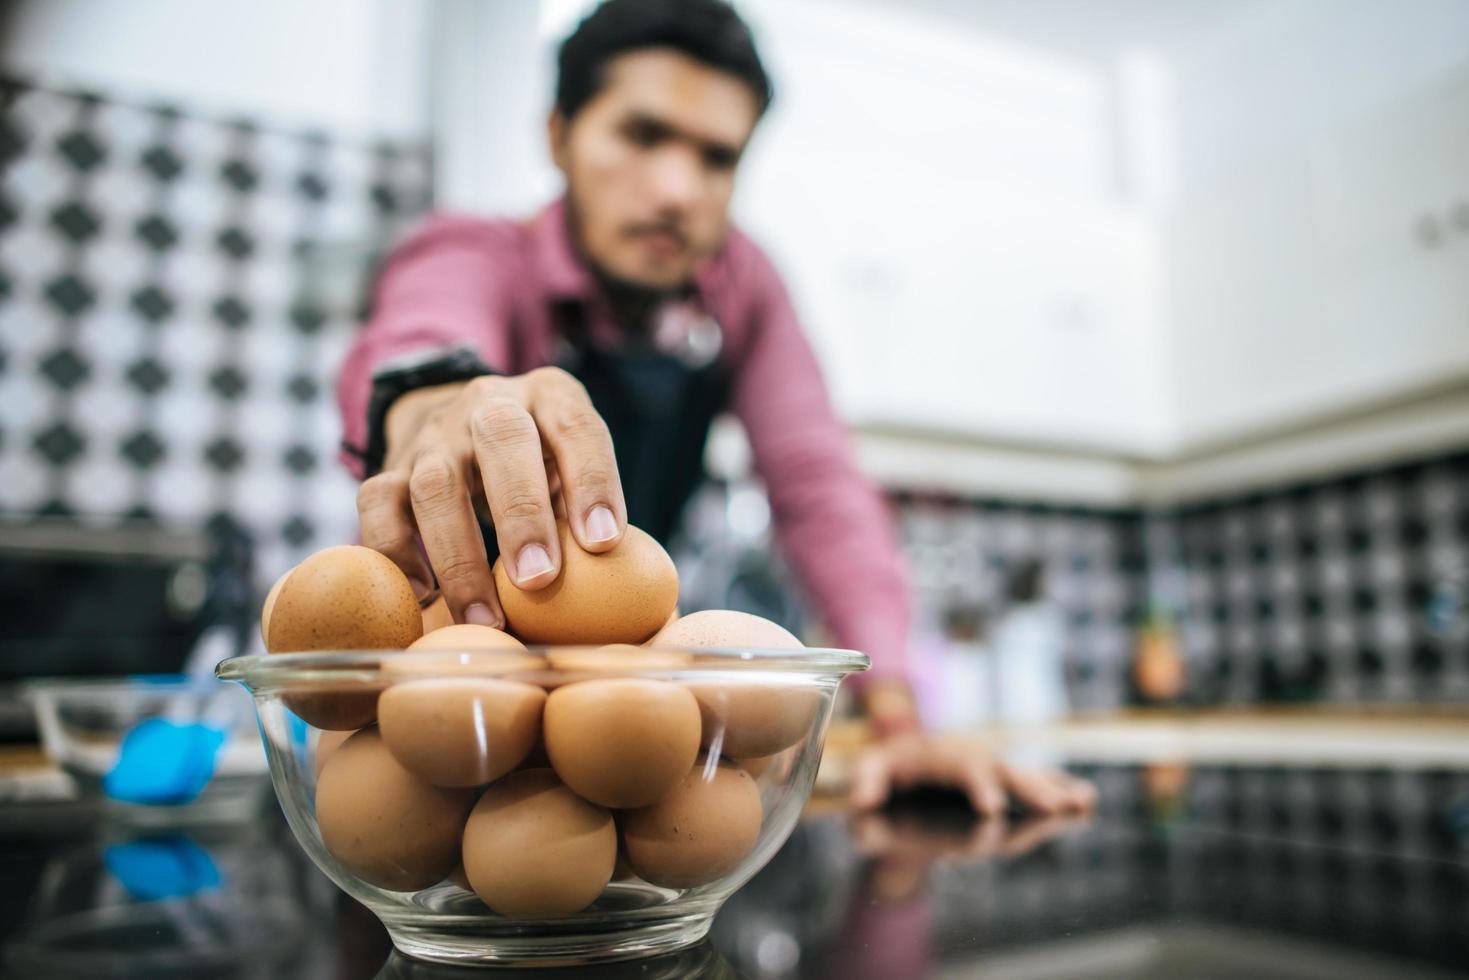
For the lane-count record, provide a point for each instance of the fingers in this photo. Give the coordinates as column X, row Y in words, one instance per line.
column 1044, row 791
column 1083, row 794
column 981, row 781
column 873, row 834
column 386, row 515
column 445, row 517
column 585, row 462
column 871, row 779
column 507, row 448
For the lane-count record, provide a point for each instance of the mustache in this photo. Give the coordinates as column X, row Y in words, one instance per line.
column 672, row 228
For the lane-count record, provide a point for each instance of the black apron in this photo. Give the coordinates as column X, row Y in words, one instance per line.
column 659, row 408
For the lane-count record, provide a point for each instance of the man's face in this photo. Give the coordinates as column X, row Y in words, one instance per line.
column 650, row 164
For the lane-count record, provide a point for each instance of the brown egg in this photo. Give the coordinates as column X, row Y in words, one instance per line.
column 465, row 649
column 344, row 598
column 725, row 629
column 269, row 604
column 460, row 731
column 748, row 720
column 459, row 637
column 621, row 596
column 744, row 720
column 534, row 848
column 755, row 766
column 436, row 615
column 699, row 832
column 383, row 823
column 327, row 743
column 481, row 663
column 341, row 706
column 580, row 664
column 622, row 742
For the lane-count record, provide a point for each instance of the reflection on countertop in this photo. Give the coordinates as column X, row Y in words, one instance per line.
column 1210, row 871
column 1186, row 869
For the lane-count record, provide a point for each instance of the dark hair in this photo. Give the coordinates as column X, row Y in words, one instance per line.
column 709, row 31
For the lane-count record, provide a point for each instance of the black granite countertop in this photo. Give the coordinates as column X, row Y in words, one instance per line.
column 1203, row 872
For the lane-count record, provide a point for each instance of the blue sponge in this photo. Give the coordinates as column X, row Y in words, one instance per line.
column 164, row 762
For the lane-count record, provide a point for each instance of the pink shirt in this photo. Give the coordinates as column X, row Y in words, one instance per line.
column 490, row 285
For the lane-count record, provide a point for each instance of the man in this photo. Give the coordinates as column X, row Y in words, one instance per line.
column 505, row 360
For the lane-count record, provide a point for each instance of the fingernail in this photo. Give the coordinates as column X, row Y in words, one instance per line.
column 480, row 615
column 601, row 525
column 532, row 562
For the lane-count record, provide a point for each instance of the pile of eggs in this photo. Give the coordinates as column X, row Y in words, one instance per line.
column 534, row 779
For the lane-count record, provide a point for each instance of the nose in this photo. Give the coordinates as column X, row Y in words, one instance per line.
column 677, row 178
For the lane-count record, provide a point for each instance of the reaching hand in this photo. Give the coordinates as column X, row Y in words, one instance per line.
column 528, row 448
column 922, row 759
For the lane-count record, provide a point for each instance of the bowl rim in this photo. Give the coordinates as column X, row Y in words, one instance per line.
column 92, row 685
column 271, row 669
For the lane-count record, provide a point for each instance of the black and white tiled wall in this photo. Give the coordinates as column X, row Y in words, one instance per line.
column 963, row 554
column 176, row 293
column 1353, row 589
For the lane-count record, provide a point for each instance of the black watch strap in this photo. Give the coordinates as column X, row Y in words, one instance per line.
column 405, row 374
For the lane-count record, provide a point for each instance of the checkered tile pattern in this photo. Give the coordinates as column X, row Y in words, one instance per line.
column 176, row 294
column 1348, row 590
column 962, row 552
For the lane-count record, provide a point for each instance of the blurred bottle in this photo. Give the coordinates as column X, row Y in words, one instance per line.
column 1158, row 670
column 953, row 671
column 1028, row 645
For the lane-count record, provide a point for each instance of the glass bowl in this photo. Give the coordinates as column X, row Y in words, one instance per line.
column 650, row 784
column 154, row 750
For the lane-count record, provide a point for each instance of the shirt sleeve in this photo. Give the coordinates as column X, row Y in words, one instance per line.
column 829, row 518
column 439, row 290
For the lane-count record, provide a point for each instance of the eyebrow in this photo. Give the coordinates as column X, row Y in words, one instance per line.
column 644, row 118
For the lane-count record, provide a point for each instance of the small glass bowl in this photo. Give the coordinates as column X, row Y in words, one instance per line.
column 202, row 765
column 777, row 701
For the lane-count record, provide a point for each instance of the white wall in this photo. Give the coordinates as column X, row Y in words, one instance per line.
column 1289, row 71
column 351, row 66
column 492, row 80
column 1312, row 137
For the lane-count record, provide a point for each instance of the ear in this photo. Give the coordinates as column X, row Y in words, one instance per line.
column 557, row 129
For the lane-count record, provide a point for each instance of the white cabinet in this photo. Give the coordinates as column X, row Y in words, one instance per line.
column 1395, row 202
column 1016, row 317
column 1325, row 276
column 943, row 206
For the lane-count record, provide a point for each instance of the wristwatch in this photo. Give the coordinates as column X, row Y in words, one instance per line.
column 420, row 369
